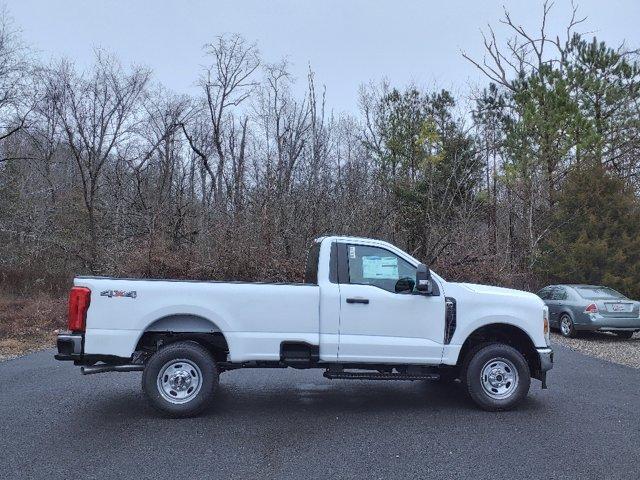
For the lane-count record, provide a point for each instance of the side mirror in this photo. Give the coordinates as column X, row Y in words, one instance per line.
column 424, row 283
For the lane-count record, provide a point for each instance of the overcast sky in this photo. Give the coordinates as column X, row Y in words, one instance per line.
column 347, row 42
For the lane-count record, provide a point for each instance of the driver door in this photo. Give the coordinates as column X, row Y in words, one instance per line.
column 382, row 319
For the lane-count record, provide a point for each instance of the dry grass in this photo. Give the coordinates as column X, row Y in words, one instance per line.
column 605, row 346
column 29, row 323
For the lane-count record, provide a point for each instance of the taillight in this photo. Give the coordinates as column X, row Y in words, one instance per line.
column 591, row 308
column 79, row 299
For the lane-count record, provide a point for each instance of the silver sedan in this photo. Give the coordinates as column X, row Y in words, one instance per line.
column 590, row 307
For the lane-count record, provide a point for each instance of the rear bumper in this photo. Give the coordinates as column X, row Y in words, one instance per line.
column 618, row 329
column 69, row 346
column 608, row 324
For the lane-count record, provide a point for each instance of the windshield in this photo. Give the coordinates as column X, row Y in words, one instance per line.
column 599, row 293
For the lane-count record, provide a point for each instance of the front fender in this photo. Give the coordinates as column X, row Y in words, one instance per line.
column 469, row 327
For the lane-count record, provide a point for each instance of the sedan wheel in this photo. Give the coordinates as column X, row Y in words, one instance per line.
column 566, row 327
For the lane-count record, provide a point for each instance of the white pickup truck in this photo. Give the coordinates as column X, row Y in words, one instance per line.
column 366, row 310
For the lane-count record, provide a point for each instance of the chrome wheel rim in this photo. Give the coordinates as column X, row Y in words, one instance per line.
column 565, row 326
column 499, row 378
column 179, row 381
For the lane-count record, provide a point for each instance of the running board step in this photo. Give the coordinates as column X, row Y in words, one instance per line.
column 110, row 368
column 380, row 376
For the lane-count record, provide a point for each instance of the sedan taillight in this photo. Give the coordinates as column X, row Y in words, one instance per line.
column 591, row 308
column 79, row 299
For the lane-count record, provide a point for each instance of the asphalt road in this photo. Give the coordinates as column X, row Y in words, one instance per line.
column 56, row 423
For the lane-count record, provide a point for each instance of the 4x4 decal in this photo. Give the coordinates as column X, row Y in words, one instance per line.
column 118, row 293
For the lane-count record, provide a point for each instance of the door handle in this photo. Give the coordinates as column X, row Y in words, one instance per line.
column 358, row 300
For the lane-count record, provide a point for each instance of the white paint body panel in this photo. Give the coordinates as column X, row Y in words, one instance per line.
column 479, row 305
column 390, row 328
column 255, row 318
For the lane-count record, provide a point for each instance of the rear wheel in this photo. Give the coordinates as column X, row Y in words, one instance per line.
column 624, row 334
column 180, row 379
column 567, row 329
column 497, row 376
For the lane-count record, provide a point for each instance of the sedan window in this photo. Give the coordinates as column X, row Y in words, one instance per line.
column 545, row 293
column 559, row 293
column 599, row 293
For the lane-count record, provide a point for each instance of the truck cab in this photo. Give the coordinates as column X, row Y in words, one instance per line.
column 365, row 310
column 371, row 309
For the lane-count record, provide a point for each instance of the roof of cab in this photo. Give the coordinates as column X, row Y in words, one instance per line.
column 343, row 238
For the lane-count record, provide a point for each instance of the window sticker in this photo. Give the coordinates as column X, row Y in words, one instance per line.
column 385, row 268
column 352, row 252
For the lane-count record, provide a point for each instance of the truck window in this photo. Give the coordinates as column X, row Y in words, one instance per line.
column 378, row 267
column 311, row 270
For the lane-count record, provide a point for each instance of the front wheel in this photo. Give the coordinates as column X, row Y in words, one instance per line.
column 497, row 376
column 180, row 379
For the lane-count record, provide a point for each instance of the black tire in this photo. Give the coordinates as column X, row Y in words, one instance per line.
column 481, row 358
column 570, row 330
column 624, row 334
column 205, row 374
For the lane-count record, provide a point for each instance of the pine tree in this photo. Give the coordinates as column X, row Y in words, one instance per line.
column 597, row 234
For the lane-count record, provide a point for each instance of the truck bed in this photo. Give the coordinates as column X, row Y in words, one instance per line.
column 254, row 317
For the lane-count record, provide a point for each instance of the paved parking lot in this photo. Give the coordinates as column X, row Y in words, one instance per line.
column 296, row 424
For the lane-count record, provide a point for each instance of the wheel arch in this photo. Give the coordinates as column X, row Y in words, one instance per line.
column 508, row 334
column 186, row 322
column 566, row 311
column 180, row 327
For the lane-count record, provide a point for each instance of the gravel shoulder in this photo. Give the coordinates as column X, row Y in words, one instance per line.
column 604, row 346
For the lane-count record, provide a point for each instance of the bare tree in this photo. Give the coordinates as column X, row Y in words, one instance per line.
column 15, row 72
column 157, row 167
column 98, row 112
column 226, row 85
column 525, row 50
